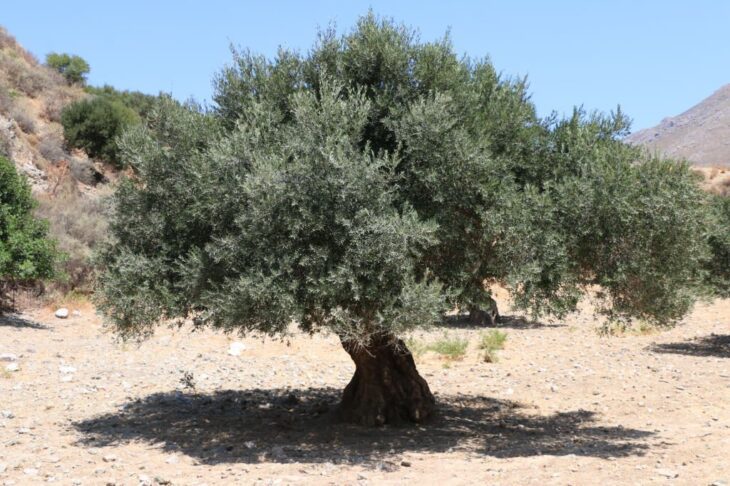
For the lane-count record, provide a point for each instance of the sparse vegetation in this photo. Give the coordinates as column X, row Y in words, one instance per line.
column 449, row 346
column 490, row 343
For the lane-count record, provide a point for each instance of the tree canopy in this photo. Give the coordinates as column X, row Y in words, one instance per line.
column 373, row 183
column 74, row 68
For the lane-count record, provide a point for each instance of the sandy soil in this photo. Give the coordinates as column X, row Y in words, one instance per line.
column 562, row 405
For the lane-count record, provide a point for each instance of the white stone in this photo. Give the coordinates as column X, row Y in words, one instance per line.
column 30, row 471
column 62, row 313
column 65, row 369
column 8, row 357
column 7, row 414
column 12, row 367
column 236, row 348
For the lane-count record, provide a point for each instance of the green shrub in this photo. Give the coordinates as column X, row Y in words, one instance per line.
column 26, row 252
column 73, row 68
column 490, row 343
column 95, row 124
column 451, row 347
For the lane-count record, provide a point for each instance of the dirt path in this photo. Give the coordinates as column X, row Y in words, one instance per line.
column 561, row 406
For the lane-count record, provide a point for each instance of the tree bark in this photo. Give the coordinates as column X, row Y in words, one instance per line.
column 386, row 387
column 482, row 317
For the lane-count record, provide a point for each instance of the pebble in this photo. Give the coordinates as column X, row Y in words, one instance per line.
column 7, row 414
column 30, row 471
column 62, row 313
column 109, row 458
column 667, row 473
column 12, row 367
column 3, row 468
column 405, row 463
column 66, row 369
column 9, row 357
column 236, row 348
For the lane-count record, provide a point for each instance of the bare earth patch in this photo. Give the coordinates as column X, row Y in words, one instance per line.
column 562, row 405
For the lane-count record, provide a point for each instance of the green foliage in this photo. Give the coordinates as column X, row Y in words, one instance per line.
column 358, row 187
column 718, row 265
column 72, row 67
column 140, row 103
column 94, row 124
column 26, row 254
column 451, row 347
column 251, row 231
column 490, row 343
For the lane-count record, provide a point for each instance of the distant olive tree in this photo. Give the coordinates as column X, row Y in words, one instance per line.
column 376, row 182
column 72, row 67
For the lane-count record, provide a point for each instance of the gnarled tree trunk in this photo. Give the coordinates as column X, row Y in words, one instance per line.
column 386, row 387
column 484, row 317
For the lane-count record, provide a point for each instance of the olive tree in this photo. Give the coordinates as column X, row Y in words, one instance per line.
column 372, row 184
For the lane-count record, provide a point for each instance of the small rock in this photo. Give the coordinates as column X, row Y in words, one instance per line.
column 719, row 483
column 64, row 369
column 109, row 458
column 236, row 348
column 249, row 444
column 405, row 463
column 667, row 473
column 24, row 430
column 7, row 414
column 12, row 367
column 144, row 480
column 9, row 357
column 162, row 481
column 172, row 460
column 62, row 313
column 3, row 468
column 277, row 452
column 30, row 471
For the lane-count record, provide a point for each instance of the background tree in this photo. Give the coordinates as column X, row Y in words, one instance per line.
column 94, row 125
column 26, row 253
column 371, row 184
column 72, row 67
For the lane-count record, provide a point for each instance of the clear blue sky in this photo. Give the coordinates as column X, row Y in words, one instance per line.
column 654, row 58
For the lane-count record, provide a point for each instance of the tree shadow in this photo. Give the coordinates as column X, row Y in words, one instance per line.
column 10, row 320
column 461, row 321
column 714, row 345
column 279, row 425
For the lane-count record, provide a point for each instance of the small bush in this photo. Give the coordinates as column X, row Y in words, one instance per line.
column 78, row 223
column 24, row 120
column 94, row 125
column 490, row 343
column 417, row 348
column 51, row 148
column 452, row 348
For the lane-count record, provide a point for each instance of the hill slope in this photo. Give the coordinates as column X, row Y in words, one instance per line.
column 701, row 134
column 31, row 99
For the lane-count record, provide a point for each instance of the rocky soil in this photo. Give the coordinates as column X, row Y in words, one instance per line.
column 562, row 405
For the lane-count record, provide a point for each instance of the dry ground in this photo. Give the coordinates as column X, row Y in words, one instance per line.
column 562, row 405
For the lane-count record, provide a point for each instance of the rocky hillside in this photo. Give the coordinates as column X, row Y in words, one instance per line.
column 700, row 134
column 31, row 99
column 65, row 183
